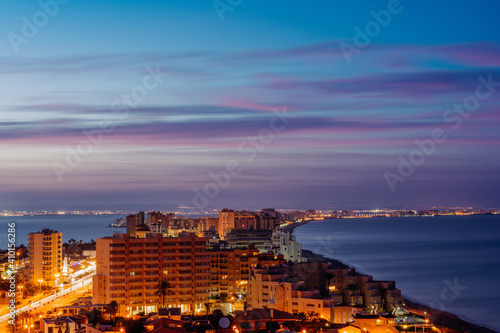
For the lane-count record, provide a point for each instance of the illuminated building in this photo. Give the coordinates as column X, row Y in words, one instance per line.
column 226, row 221
column 129, row 269
column 230, row 269
column 45, row 257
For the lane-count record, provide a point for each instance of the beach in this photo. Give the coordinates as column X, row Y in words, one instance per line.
column 436, row 316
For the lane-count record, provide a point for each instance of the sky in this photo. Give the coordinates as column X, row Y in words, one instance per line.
column 252, row 104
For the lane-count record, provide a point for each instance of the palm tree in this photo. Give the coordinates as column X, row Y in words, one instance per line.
column 24, row 317
column 301, row 316
column 315, row 320
column 353, row 287
column 207, row 307
column 112, row 309
column 163, row 289
column 59, row 325
column 328, row 276
column 15, row 326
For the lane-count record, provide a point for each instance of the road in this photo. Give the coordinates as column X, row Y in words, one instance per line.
column 61, row 298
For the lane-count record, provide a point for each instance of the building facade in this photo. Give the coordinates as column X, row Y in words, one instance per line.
column 129, row 269
column 242, row 239
column 45, row 257
column 285, row 244
column 226, row 221
column 230, row 270
column 335, row 293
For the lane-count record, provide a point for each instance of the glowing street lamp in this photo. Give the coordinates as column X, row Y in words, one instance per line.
column 40, row 283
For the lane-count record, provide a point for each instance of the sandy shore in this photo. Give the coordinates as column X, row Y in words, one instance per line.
column 441, row 318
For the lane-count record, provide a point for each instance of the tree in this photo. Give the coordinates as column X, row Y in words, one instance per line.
column 23, row 317
column 328, row 276
column 301, row 316
column 207, row 307
column 112, row 310
column 59, row 325
column 163, row 289
column 134, row 326
column 353, row 288
column 94, row 316
column 14, row 325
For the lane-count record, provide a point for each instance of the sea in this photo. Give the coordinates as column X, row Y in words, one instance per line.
column 77, row 227
column 424, row 255
column 451, row 263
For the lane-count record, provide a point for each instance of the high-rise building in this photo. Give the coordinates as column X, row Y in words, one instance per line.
column 158, row 220
column 45, row 257
column 271, row 212
column 241, row 239
column 230, row 269
column 245, row 220
column 266, row 222
column 129, row 269
column 285, row 244
column 226, row 221
column 132, row 222
column 207, row 222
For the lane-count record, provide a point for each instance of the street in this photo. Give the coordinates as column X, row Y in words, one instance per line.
column 61, row 298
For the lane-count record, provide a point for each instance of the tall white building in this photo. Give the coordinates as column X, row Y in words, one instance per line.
column 284, row 243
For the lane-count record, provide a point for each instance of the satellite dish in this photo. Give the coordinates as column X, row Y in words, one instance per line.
column 224, row 322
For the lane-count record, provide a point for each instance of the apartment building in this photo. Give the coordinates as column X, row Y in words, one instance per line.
column 45, row 257
column 226, row 221
column 275, row 289
column 129, row 269
column 349, row 287
column 317, row 287
column 241, row 239
column 285, row 244
column 207, row 223
column 230, row 269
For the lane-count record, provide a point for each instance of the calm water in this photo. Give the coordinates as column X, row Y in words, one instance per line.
column 420, row 253
column 82, row 228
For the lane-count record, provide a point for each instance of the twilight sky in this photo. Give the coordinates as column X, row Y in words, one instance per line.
column 142, row 104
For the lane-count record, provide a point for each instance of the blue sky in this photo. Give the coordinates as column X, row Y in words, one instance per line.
column 218, row 85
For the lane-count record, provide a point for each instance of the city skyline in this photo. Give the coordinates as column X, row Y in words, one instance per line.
column 340, row 94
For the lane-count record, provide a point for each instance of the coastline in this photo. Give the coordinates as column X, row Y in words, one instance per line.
column 444, row 318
